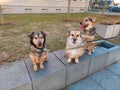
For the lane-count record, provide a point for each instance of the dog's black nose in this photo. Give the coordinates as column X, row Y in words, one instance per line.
column 80, row 22
column 74, row 39
column 39, row 43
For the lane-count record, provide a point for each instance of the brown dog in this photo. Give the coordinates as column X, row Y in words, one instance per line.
column 38, row 52
column 74, row 40
column 88, row 29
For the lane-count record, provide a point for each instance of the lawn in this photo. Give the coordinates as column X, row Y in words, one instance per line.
column 14, row 41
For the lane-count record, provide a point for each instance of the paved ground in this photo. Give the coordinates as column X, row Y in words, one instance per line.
column 107, row 79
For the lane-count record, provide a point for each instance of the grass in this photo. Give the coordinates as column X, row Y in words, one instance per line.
column 14, row 41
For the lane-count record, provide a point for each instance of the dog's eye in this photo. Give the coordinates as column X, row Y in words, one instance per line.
column 41, row 37
column 72, row 34
column 35, row 37
column 77, row 35
column 86, row 20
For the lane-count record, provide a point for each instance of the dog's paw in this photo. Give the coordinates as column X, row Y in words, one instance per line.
column 76, row 61
column 93, row 51
column 69, row 60
column 35, row 68
column 41, row 67
column 89, row 53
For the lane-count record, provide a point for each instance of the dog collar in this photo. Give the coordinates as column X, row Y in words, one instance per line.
column 37, row 50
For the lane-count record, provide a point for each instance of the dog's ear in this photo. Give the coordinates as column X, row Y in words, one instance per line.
column 94, row 19
column 90, row 19
column 43, row 33
column 30, row 35
column 68, row 33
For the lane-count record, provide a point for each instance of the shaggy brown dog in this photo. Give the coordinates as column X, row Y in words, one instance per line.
column 88, row 29
column 38, row 52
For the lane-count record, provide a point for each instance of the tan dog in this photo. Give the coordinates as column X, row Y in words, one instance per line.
column 38, row 52
column 88, row 28
column 74, row 40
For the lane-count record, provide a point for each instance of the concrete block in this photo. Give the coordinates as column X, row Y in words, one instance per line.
column 113, row 52
column 86, row 84
column 53, row 77
column 75, row 72
column 14, row 76
column 98, row 60
column 107, row 79
column 105, row 31
column 113, row 55
column 116, row 30
column 115, row 68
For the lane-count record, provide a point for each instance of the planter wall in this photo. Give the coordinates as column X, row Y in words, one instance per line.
column 108, row 31
column 57, row 73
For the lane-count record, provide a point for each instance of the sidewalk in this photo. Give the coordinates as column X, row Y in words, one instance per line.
column 107, row 79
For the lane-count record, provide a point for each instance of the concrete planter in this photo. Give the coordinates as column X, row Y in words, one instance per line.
column 57, row 73
column 108, row 31
column 113, row 52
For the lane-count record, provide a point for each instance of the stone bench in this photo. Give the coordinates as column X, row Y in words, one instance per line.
column 57, row 73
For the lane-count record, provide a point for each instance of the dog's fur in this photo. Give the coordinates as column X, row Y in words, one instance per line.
column 88, row 28
column 38, row 52
column 74, row 40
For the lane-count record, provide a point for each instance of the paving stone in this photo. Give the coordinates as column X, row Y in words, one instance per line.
column 115, row 68
column 53, row 76
column 98, row 60
column 75, row 72
column 14, row 76
column 107, row 80
column 86, row 84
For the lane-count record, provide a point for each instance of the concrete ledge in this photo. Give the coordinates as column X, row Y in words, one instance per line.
column 113, row 52
column 98, row 60
column 14, row 76
column 75, row 72
column 53, row 77
column 58, row 73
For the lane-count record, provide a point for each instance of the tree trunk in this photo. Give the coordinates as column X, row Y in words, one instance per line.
column 1, row 16
column 68, row 12
column 104, row 7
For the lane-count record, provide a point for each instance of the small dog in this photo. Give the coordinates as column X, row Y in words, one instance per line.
column 74, row 40
column 88, row 30
column 38, row 52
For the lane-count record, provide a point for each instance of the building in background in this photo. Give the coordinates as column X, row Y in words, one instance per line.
column 44, row 6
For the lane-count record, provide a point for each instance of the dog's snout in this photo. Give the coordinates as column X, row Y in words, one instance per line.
column 74, row 39
column 80, row 22
column 40, row 43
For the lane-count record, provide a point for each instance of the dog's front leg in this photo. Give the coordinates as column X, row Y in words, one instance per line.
column 34, row 64
column 42, row 59
column 76, row 59
column 69, row 58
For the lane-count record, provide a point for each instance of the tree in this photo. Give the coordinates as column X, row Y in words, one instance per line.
column 104, row 7
column 68, row 11
column 1, row 16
